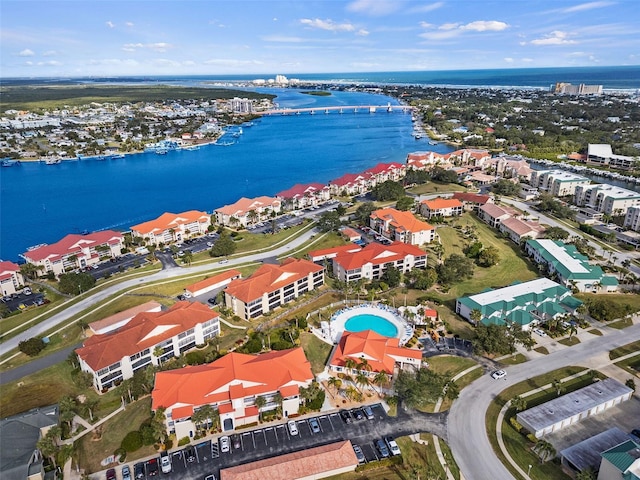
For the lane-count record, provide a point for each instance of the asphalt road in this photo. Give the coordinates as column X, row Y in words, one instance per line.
column 36, row 365
column 467, row 429
column 102, row 295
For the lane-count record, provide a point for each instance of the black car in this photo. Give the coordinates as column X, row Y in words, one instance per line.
column 181, row 297
column 190, row 454
column 138, row 470
column 152, row 467
column 346, row 416
column 357, row 413
column 212, row 300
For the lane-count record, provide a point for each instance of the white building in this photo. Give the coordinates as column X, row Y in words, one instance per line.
column 602, row 154
column 605, row 198
column 632, row 219
column 558, row 183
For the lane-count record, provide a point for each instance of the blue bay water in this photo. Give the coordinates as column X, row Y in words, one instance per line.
column 42, row 203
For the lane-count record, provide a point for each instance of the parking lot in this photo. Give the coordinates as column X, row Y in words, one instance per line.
column 22, row 301
column 292, row 219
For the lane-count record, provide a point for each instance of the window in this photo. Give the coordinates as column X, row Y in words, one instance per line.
column 139, row 355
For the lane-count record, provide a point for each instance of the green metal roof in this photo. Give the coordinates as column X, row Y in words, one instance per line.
column 622, row 456
column 521, row 317
column 608, row 280
column 571, row 302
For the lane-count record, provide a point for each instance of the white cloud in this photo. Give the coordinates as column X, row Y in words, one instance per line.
column 282, row 39
column 485, row 26
column 508, row 59
column 49, row 63
column 448, row 26
column 586, row 6
column 26, row 53
column 129, row 24
column 158, row 46
column 110, row 24
column 362, row 32
column 374, row 8
column 49, row 53
column 227, row 62
column 329, row 25
column 427, row 8
column 426, row 25
column 446, row 31
column 556, row 37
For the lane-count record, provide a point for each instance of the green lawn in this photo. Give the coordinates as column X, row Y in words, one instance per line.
column 595, row 331
column 622, row 323
column 514, row 359
column 542, row 350
column 631, row 365
column 449, row 364
column 569, row 341
column 624, row 350
column 316, row 350
column 433, row 187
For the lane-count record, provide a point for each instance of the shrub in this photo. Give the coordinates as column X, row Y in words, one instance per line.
column 32, row 346
column 195, row 358
column 148, row 435
column 184, row 441
column 168, row 444
column 132, row 441
column 515, row 424
column 121, row 453
column 532, row 438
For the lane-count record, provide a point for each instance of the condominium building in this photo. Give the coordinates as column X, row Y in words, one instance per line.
column 472, row 201
column 11, row 280
column 518, row 230
column 172, row 227
column 149, row 338
column 581, row 89
column 386, row 171
column 247, row 211
column 350, row 184
column 301, row 196
column 558, row 183
column 241, row 105
column 525, row 304
column 605, row 198
column 570, row 267
column 272, row 286
column 602, row 154
column 400, row 226
column 493, row 214
column 75, row 251
column 231, row 386
column 632, row 219
column 441, row 207
column 372, row 261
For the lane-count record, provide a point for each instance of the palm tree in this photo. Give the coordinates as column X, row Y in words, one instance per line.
column 350, row 364
column 475, row 315
column 545, row 450
column 351, row 392
column 381, row 379
column 187, row 257
column 573, row 330
column 557, row 386
column 260, row 403
column 362, row 379
column 336, row 383
column 364, row 366
column 518, row 403
column 48, row 444
column 252, row 216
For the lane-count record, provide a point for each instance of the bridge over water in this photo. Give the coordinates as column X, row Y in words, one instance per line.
column 338, row 109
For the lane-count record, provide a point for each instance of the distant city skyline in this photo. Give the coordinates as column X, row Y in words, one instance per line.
column 167, row 37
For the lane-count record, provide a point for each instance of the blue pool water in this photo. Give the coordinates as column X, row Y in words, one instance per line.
column 380, row 325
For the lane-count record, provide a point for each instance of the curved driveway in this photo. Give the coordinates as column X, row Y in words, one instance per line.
column 102, row 295
column 468, row 438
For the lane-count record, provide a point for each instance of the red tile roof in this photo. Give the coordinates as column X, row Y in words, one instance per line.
column 235, row 375
column 145, row 330
column 269, row 278
column 72, row 244
column 471, row 197
column 333, row 251
column 300, row 190
column 377, row 254
column 124, row 315
column 245, row 205
column 347, row 179
column 350, row 233
column 207, row 282
column 384, row 167
column 167, row 221
column 496, row 211
column 441, row 203
column 9, row 267
column 316, row 462
column 520, row 227
column 401, row 221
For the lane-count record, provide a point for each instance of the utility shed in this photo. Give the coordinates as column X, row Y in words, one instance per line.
column 573, row 407
column 586, row 454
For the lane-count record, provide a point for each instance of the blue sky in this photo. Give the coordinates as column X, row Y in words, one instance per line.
column 209, row 37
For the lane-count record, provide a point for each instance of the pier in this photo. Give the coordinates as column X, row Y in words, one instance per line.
column 339, row 109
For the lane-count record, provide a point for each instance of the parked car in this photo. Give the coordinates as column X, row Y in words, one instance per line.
column 393, row 446
column 138, row 469
column 235, row 441
column 293, row 428
column 111, row 474
column 359, row 454
column 165, row 462
column 26, row 291
column 190, row 454
column 152, row 467
column 187, row 295
column 315, row 425
column 126, row 472
column 357, row 413
column 224, row 444
column 382, row 448
column 498, row 374
column 212, row 300
column 368, row 412
column 181, row 297
column 539, row 331
column 345, row 415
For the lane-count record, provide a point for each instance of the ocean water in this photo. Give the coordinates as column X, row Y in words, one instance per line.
column 42, row 203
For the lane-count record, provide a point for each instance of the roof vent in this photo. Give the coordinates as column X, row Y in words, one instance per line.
column 550, row 412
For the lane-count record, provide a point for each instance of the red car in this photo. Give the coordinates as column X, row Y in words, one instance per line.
column 111, row 474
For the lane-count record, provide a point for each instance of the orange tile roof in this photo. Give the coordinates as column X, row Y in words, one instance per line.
column 9, row 267
column 124, row 314
column 167, row 221
column 520, row 227
column 376, row 254
column 145, row 330
column 235, row 375
column 269, row 278
column 471, row 197
column 316, row 462
column 73, row 244
column 290, row 391
column 372, row 346
column 182, row 412
column 350, row 233
column 245, row 205
column 221, row 277
column 401, row 221
column 440, row 203
column 496, row 211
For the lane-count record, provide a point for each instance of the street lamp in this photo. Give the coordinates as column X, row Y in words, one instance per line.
column 529, row 471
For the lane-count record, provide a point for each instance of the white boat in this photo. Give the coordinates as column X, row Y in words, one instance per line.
column 115, row 156
column 52, row 161
column 193, row 147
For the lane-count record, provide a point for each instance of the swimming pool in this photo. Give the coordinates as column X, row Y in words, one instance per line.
column 380, row 325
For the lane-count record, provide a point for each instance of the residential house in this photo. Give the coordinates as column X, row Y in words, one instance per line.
column 231, row 385
column 301, row 196
column 472, row 201
column 247, row 211
column 372, row 261
column 381, row 353
column 149, row 338
column 117, row 320
column 272, row 286
column 523, row 303
column 401, row 226
column 20, row 458
column 213, row 283
column 607, row 199
column 518, row 230
column 441, row 207
column 493, row 215
column 621, row 462
column 558, row 183
column 570, row 267
column 75, row 251
column 172, row 227
column 350, row 234
column 11, row 280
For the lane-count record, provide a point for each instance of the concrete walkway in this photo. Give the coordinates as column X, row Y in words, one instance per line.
column 90, row 427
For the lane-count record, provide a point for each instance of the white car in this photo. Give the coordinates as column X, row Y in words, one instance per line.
column 498, row 374
column 393, row 446
column 293, row 428
column 540, row 332
column 165, row 462
column 224, row 444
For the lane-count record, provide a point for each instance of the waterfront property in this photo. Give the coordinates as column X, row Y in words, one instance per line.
column 149, row 338
column 518, row 230
column 231, row 385
column 272, row 286
column 172, row 227
column 525, row 304
column 568, row 409
column 75, row 251
column 400, row 226
column 20, row 457
column 558, row 183
column 606, row 199
column 441, row 207
column 212, row 283
column 300, row 196
column 11, row 280
column 382, row 172
column 570, row 267
column 247, row 211
column 601, row 154
column 117, row 320
column 311, row 463
column 621, row 462
column 372, row 261
column 349, row 184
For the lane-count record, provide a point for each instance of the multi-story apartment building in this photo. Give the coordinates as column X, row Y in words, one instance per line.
column 302, row 196
column 247, row 211
column 11, row 280
column 241, row 105
column 75, row 251
column 372, row 261
column 385, row 171
column 399, row 226
column 518, row 230
column 231, row 386
column 493, row 214
column 632, row 219
column 349, row 184
column 173, row 227
column 149, row 338
column 272, row 286
column 605, row 198
column 558, row 183
column 441, row 207
column 602, row 154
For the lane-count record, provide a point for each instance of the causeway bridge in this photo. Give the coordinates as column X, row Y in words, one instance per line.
column 338, row 109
